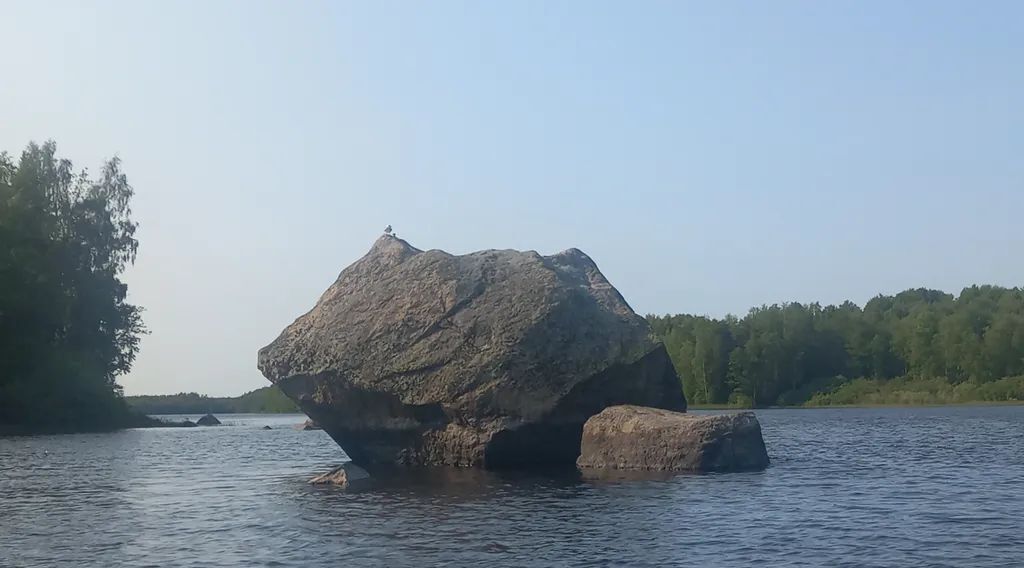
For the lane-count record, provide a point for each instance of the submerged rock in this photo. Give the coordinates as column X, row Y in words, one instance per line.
column 343, row 475
column 638, row 438
column 309, row 424
column 208, row 420
column 494, row 358
column 267, row 428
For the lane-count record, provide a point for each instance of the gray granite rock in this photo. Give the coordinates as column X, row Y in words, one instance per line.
column 490, row 359
column 638, row 438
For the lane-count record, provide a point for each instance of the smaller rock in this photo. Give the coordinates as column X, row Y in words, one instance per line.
column 208, row 420
column 267, row 428
column 184, row 424
column 309, row 424
column 641, row 438
column 342, row 476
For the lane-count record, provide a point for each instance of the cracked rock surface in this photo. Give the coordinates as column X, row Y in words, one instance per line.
column 489, row 359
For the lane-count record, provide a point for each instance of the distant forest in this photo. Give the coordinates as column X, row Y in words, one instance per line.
column 919, row 346
column 266, row 399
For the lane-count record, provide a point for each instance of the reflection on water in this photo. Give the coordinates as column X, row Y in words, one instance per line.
column 848, row 487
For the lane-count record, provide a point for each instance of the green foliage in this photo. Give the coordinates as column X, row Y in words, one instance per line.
column 66, row 329
column 265, row 400
column 785, row 354
column 911, row 391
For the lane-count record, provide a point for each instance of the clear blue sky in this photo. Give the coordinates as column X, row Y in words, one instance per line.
column 709, row 157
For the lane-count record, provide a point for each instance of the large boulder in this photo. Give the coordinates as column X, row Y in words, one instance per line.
column 494, row 358
column 638, row 438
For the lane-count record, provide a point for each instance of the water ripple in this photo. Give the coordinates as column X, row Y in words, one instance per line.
column 848, row 487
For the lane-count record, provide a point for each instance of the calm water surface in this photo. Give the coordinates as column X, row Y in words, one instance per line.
column 847, row 487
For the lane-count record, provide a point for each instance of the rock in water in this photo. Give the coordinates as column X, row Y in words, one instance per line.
column 208, row 420
column 633, row 437
column 490, row 359
column 309, row 424
column 343, row 475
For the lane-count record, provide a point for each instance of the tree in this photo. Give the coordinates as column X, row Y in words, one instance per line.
column 66, row 329
column 784, row 354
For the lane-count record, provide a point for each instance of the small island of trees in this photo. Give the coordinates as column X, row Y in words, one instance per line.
column 66, row 329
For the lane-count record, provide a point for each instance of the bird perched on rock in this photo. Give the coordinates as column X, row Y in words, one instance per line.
column 388, row 230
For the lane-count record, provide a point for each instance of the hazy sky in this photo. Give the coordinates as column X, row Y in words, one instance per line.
column 709, row 157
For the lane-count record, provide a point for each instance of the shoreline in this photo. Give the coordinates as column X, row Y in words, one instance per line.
column 23, row 431
column 131, row 421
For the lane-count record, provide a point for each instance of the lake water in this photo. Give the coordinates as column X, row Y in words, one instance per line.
column 847, row 487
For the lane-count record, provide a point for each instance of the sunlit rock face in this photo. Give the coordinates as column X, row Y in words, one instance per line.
column 651, row 439
column 490, row 359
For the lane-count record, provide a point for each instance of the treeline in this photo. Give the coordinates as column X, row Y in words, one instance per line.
column 263, row 400
column 916, row 392
column 67, row 330
column 785, row 354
